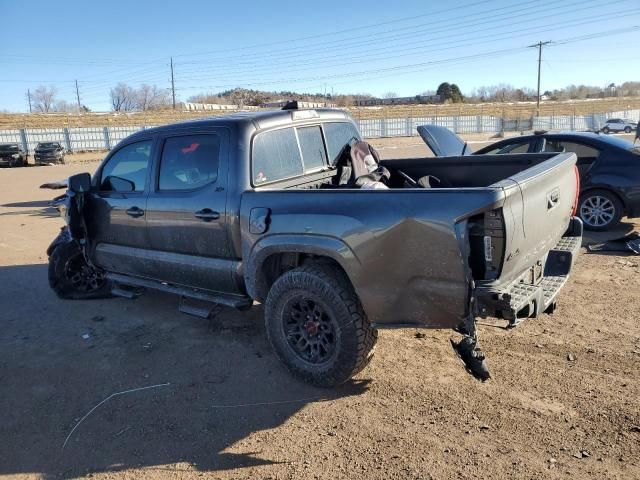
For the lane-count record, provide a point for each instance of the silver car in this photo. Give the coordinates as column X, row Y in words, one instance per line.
column 618, row 125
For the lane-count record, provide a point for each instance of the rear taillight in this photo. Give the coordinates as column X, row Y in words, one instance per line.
column 487, row 243
column 577, row 196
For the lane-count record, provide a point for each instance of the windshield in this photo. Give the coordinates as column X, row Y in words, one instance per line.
column 9, row 148
column 48, row 145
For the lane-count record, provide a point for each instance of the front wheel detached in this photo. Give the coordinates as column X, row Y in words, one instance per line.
column 316, row 325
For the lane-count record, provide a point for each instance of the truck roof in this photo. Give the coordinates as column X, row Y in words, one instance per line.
column 255, row 120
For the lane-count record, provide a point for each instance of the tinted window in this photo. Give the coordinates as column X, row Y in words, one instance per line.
column 582, row 151
column 127, row 168
column 338, row 135
column 312, row 147
column 188, row 162
column 276, row 156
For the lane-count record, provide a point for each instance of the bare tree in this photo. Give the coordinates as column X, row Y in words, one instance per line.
column 149, row 97
column 64, row 106
column 44, row 98
column 123, row 98
column 390, row 95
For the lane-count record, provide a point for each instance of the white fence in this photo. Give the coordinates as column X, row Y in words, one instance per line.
column 104, row 138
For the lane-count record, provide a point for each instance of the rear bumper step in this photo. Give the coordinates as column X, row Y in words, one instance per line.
column 522, row 299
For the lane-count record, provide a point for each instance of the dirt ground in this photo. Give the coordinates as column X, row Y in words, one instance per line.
column 562, row 403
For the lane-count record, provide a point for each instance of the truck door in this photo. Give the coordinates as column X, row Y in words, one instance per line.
column 117, row 219
column 187, row 213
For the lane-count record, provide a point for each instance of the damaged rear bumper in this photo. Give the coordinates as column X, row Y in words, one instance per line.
column 535, row 291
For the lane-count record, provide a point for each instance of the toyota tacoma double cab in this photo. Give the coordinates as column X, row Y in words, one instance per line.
column 269, row 207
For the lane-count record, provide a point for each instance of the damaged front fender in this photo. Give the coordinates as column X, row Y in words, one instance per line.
column 63, row 237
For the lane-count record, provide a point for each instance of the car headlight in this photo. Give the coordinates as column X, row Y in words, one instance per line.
column 15, row 155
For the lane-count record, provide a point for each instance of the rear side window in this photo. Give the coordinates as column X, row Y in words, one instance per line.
column 276, row 156
column 189, row 161
column 312, row 147
column 582, row 151
column 338, row 135
column 126, row 170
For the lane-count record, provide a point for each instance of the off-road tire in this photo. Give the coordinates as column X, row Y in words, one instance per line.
column 59, row 280
column 614, row 201
column 355, row 339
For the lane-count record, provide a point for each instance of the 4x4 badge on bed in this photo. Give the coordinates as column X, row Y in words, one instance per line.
column 552, row 198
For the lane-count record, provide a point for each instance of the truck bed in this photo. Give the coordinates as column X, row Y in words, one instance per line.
column 420, row 256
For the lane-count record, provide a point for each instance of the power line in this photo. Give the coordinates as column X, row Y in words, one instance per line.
column 346, row 60
column 337, row 32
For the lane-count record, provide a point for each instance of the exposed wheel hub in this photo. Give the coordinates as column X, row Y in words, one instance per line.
column 83, row 277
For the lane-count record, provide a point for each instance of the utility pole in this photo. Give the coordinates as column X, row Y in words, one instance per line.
column 29, row 97
column 173, row 86
column 78, row 97
column 539, row 45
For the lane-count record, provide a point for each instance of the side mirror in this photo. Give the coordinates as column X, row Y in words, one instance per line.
column 118, row 184
column 80, row 183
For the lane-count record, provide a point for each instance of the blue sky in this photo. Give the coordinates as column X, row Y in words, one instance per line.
column 404, row 46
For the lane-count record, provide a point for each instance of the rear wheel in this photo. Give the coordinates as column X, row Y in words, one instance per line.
column 317, row 326
column 600, row 210
column 627, row 129
column 72, row 278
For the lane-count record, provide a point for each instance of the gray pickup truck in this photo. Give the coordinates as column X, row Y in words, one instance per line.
column 247, row 207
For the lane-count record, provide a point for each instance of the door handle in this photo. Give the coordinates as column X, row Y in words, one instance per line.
column 135, row 212
column 207, row 214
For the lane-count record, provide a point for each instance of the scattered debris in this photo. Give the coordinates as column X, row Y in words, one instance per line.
column 86, row 336
column 582, row 454
column 635, row 428
column 571, row 357
column 97, row 318
column 485, row 427
column 421, row 335
column 629, row 243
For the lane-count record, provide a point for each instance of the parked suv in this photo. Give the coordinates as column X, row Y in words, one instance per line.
column 269, row 206
column 49, row 152
column 12, row 155
column 618, row 125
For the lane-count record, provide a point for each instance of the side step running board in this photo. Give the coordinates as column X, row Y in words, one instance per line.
column 228, row 300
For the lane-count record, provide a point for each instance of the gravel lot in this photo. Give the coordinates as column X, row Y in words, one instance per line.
column 562, row 403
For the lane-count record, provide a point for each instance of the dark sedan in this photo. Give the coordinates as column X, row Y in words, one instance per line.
column 609, row 167
column 49, row 152
column 13, row 155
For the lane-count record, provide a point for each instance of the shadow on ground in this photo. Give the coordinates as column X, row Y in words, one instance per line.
column 40, row 208
column 59, row 359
